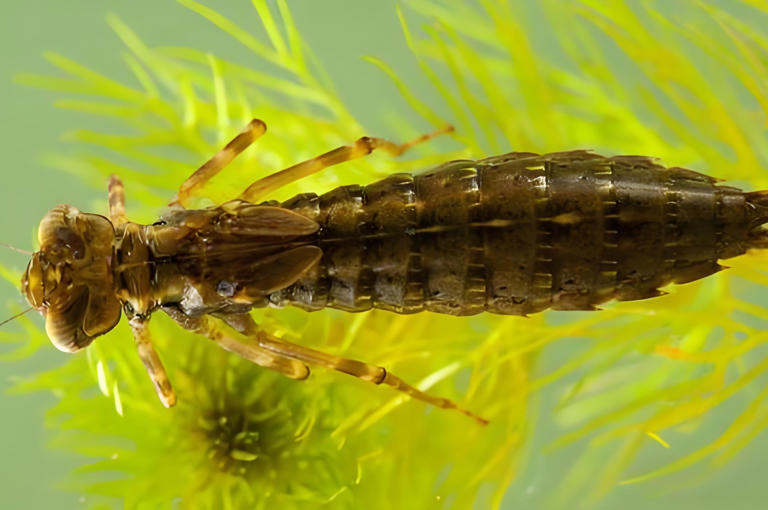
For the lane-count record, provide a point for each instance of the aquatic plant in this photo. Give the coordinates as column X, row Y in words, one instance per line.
column 685, row 82
column 245, row 437
column 630, row 379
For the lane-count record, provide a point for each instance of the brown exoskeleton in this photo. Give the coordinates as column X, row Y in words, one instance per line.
column 512, row 234
column 201, row 267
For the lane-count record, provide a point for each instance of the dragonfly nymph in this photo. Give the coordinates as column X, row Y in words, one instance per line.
column 512, row 234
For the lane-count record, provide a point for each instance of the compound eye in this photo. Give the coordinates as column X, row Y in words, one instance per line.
column 49, row 231
column 64, row 326
column 71, row 242
column 102, row 314
column 97, row 231
column 32, row 283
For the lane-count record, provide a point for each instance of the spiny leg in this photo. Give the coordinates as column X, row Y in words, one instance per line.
column 362, row 147
column 116, row 194
column 218, row 162
column 245, row 324
column 289, row 359
column 242, row 347
column 152, row 362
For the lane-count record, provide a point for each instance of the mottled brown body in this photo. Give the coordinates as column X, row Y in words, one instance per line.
column 520, row 233
column 512, row 234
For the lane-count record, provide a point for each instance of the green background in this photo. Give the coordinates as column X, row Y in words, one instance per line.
column 339, row 32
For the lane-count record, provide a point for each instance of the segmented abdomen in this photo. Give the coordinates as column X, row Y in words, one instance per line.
column 518, row 233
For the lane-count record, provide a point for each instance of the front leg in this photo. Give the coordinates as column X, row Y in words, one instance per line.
column 152, row 362
column 116, row 201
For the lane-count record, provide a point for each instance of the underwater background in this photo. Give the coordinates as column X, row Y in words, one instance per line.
column 657, row 402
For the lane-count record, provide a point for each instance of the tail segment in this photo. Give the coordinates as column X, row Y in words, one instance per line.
column 757, row 218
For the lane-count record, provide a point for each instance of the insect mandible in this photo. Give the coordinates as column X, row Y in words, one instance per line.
column 511, row 234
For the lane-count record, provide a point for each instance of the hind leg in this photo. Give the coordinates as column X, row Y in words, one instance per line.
column 362, row 147
column 289, row 359
column 248, row 350
column 217, row 163
column 245, row 324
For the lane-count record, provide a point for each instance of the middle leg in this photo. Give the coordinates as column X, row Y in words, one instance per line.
column 221, row 159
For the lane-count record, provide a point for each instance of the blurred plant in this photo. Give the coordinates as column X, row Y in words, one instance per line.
column 242, row 437
column 649, row 77
column 685, row 81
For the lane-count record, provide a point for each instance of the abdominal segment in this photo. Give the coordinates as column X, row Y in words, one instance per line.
column 517, row 234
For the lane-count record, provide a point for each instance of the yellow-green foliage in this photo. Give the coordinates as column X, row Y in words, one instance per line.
column 684, row 81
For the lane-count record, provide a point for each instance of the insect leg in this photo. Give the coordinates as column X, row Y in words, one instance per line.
column 377, row 375
column 152, row 363
column 116, row 193
column 242, row 347
column 216, row 164
column 362, row 147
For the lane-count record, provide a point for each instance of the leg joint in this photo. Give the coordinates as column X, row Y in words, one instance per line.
column 382, row 376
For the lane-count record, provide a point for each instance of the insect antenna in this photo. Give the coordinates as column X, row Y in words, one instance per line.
column 17, row 315
column 17, row 250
